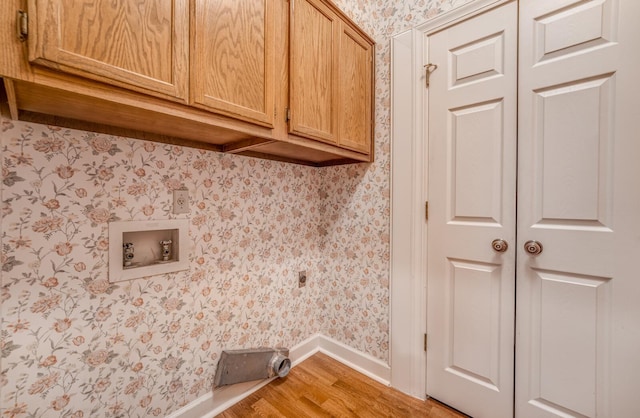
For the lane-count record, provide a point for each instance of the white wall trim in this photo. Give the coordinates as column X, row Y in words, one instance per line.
column 457, row 15
column 408, row 196
column 215, row 402
column 357, row 360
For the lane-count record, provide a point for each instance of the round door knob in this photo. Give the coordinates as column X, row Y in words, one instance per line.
column 533, row 247
column 499, row 245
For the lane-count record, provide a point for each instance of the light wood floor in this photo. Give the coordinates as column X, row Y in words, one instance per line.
column 323, row 387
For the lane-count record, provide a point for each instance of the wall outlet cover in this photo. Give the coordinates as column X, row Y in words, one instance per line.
column 180, row 201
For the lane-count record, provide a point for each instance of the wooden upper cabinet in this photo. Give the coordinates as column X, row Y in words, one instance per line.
column 330, row 77
column 290, row 80
column 355, row 91
column 313, row 64
column 233, row 58
column 140, row 45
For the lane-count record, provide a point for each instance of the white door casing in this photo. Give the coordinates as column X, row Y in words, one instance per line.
column 472, row 185
column 408, row 291
column 578, row 344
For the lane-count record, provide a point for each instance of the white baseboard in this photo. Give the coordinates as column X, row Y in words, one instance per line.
column 361, row 362
column 213, row 403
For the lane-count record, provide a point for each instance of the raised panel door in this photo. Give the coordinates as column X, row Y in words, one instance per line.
column 577, row 330
column 139, row 45
column 472, row 190
column 233, row 59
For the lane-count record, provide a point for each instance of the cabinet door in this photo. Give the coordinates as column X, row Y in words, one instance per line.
column 140, row 45
column 313, row 65
column 233, row 60
column 355, row 97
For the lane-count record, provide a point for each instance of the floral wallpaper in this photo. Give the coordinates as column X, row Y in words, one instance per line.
column 75, row 345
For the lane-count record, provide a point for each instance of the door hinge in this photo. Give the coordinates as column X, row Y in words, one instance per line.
column 288, row 115
column 425, row 342
column 426, row 211
column 22, row 25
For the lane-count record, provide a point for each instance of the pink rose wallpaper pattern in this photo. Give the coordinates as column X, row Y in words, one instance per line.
column 75, row 345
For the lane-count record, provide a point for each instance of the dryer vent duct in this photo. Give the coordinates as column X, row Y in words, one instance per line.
column 237, row 366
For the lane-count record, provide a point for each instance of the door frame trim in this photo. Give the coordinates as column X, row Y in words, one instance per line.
column 409, row 170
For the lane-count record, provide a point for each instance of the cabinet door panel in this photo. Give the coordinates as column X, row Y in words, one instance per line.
column 233, row 58
column 314, row 35
column 140, row 45
column 355, row 91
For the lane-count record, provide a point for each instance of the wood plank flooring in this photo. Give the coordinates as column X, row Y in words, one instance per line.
column 323, row 387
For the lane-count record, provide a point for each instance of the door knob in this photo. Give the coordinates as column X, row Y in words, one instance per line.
column 499, row 245
column 533, row 247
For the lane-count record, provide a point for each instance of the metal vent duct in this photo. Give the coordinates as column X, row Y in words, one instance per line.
column 237, row 366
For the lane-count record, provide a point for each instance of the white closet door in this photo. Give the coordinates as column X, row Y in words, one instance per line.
column 578, row 309
column 472, row 184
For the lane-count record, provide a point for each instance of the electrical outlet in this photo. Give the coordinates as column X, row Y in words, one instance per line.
column 180, row 201
column 302, row 278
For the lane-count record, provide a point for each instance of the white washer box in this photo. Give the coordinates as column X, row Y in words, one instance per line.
column 146, row 237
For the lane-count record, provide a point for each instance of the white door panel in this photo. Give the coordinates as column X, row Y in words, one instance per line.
column 472, row 149
column 578, row 169
column 577, row 188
